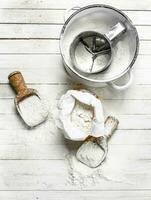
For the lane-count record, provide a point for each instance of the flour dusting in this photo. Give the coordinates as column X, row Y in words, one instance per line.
column 83, row 176
column 80, row 174
column 33, row 110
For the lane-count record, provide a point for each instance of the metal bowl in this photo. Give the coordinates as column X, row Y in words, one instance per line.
column 100, row 18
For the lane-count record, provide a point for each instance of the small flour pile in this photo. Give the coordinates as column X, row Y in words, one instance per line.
column 80, row 174
column 113, row 169
column 33, row 110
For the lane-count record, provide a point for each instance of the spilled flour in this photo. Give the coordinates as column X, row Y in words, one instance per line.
column 33, row 110
column 82, row 116
column 78, row 120
column 82, row 176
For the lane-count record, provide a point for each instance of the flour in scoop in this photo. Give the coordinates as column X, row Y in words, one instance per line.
column 33, row 110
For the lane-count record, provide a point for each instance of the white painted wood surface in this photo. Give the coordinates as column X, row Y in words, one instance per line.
column 32, row 162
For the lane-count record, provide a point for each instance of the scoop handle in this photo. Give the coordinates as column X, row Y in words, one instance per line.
column 111, row 124
column 17, row 82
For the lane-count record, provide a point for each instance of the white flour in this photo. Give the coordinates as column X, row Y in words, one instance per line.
column 82, row 116
column 82, row 176
column 33, row 110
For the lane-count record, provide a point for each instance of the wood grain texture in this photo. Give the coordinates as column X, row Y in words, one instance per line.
column 56, row 16
column 47, row 137
column 47, row 47
column 43, row 174
column 46, row 4
column 127, row 107
column 49, row 61
column 139, row 122
column 57, row 75
column 49, row 31
column 74, row 195
column 54, row 91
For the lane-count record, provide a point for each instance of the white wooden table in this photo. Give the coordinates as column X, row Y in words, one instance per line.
column 32, row 163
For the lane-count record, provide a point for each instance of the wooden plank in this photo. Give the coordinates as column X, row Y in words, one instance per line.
column 47, row 61
column 28, row 31
column 31, row 31
column 118, row 107
column 74, row 195
column 57, row 16
column 127, row 107
column 43, row 137
column 138, row 92
column 52, row 92
column 47, row 47
column 32, row 175
column 121, row 141
column 29, row 46
column 58, row 152
column 34, row 137
column 138, row 17
column 31, row 16
column 59, row 76
column 43, row 175
column 121, row 4
column 33, row 152
column 144, row 32
column 134, row 122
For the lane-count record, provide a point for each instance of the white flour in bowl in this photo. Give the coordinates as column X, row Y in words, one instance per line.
column 33, row 110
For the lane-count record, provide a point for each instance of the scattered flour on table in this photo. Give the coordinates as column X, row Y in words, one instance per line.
column 33, row 110
column 82, row 176
column 82, row 116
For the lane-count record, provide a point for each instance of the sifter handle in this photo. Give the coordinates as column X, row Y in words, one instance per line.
column 116, row 31
column 17, row 82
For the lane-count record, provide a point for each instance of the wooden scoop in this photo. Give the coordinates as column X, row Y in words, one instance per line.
column 17, row 82
column 94, row 150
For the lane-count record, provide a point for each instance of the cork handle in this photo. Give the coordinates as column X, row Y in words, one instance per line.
column 17, row 82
